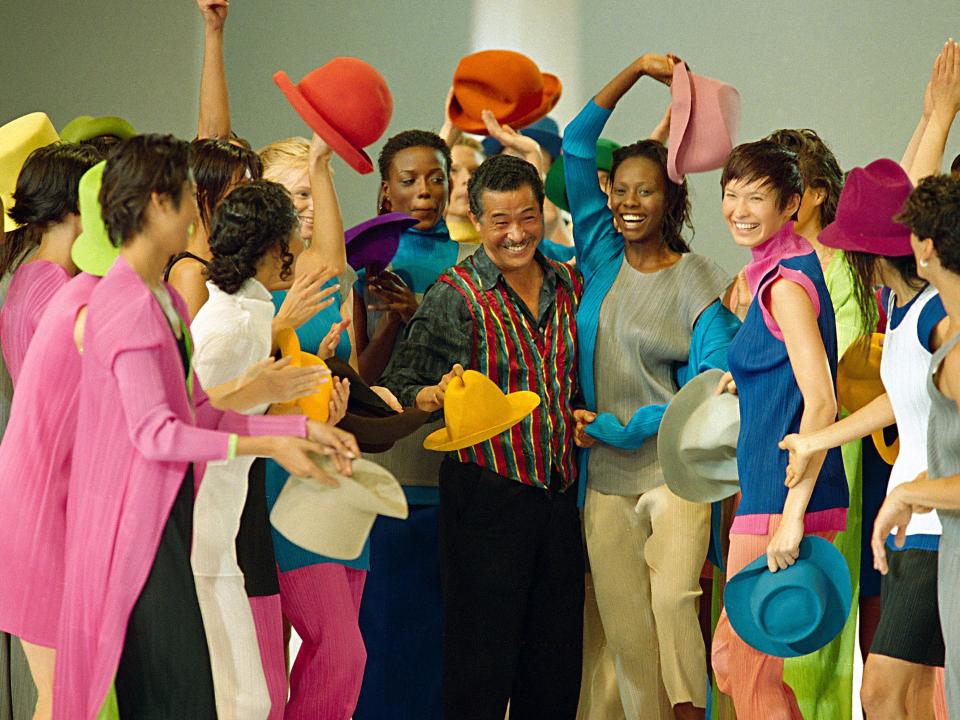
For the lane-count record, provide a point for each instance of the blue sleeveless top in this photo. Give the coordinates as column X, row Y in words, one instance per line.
column 311, row 334
column 771, row 405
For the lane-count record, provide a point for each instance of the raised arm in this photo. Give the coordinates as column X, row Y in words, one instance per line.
column 214, row 119
column 327, row 250
column 945, row 103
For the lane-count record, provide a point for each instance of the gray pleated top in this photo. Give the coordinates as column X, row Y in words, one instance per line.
column 646, row 322
column 943, row 435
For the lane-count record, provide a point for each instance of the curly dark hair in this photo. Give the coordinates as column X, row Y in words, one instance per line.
column 45, row 193
column 676, row 213
column 502, row 173
column 137, row 168
column 217, row 166
column 933, row 211
column 409, row 139
column 955, row 165
column 252, row 220
column 818, row 166
column 766, row 161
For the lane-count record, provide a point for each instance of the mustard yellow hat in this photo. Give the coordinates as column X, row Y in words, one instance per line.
column 19, row 138
column 316, row 406
column 859, row 383
column 476, row 409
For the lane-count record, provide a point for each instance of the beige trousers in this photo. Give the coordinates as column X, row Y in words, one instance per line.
column 599, row 697
column 646, row 553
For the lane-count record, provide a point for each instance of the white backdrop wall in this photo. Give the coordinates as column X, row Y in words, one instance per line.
column 853, row 70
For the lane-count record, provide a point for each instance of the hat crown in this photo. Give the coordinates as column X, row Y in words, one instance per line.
column 713, row 426
column 870, row 198
column 352, row 96
column 88, row 198
column 316, row 406
column 507, row 82
column 19, row 138
column 473, row 403
column 790, row 604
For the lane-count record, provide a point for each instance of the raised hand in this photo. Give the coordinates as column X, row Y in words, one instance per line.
column 319, row 150
column 328, row 346
column 214, row 13
column 525, row 147
column 306, row 298
column 396, row 297
column 339, row 398
column 945, row 82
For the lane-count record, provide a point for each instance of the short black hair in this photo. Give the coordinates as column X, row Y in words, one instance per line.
column 767, row 162
column 137, row 168
column 933, row 211
column 676, row 213
column 955, row 165
column 252, row 220
column 503, row 173
column 46, row 192
column 408, row 139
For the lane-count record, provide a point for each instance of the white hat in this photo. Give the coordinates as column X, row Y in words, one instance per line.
column 335, row 521
column 697, row 441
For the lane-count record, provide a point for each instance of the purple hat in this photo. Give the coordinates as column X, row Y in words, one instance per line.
column 870, row 199
column 375, row 241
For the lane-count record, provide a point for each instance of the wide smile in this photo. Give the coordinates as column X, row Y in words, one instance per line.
column 744, row 228
column 632, row 221
column 516, row 248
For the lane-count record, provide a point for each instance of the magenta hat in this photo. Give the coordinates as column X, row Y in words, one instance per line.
column 375, row 241
column 704, row 122
column 870, row 199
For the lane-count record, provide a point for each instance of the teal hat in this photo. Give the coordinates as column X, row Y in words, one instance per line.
column 86, row 127
column 92, row 251
column 795, row 611
column 555, row 186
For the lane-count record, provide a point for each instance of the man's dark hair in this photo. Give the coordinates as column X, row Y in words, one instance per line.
column 767, row 162
column 503, row 173
column 409, row 139
column 933, row 211
column 137, row 168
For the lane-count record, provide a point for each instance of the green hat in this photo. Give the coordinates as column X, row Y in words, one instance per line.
column 555, row 187
column 86, row 127
column 92, row 251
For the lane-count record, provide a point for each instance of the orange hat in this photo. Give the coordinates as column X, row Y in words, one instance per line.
column 507, row 83
column 346, row 102
column 859, row 384
column 316, row 406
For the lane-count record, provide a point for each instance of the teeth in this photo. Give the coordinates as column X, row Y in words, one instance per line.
column 746, row 226
column 632, row 218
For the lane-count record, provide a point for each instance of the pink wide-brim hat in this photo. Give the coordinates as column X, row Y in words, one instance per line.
column 870, row 199
column 704, row 122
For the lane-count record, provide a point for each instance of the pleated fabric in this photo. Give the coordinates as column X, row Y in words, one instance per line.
column 322, row 602
column 268, row 620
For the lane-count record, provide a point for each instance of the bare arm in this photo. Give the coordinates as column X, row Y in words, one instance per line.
column 188, row 279
column 794, row 313
column 945, row 99
column 327, row 249
column 214, row 119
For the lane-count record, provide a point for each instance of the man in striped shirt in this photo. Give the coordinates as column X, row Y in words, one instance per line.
column 510, row 542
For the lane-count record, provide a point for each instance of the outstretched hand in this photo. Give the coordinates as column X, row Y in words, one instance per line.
column 945, row 82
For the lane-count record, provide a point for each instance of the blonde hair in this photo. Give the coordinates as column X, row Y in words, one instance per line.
column 282, row 155
column 471, row 143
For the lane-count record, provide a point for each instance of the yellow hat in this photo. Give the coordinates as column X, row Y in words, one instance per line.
column 316, row 406
column 475, row 409
column 859, row 384
column 19, row 138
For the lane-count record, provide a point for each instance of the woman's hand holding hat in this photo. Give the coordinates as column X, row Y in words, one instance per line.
column 296, row 454
column 396, row 296
column 430, row 398
column 339, row 445
column 276, row 381
column 388, row 397
column 784, row 547
column 582, row 418
column 726, row 384
column 319, row 151
column 659, row 67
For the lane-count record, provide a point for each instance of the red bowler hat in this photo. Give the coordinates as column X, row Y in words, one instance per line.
column 870, row 199
column 508, row 84
column 346, row 102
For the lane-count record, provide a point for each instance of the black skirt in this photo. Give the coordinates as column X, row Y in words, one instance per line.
column 254, row 539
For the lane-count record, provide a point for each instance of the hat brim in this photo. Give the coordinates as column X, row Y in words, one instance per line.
column 87, row 127
column 336, row 521
column 680, row 478
column 552, row 89
column 738, row 595
column 354, row 157
column 92, row 251
column 835, row 236
column 363, row 250
column 522, row 403
column 681, row 104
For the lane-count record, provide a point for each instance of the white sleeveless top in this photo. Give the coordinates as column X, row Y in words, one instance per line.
column 904, row 365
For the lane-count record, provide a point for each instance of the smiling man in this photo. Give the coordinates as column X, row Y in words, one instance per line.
column 510, row 544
